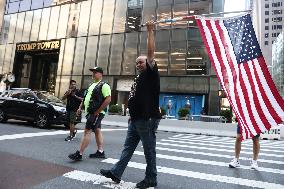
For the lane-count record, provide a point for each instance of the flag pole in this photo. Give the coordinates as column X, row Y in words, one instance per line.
column 184, row 18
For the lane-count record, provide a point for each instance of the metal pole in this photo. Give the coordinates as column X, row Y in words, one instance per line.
column 192, row 17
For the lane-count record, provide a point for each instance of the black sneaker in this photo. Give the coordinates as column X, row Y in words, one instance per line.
column 98, row 154
column 108, row 174
column 74, row 134
column 146, row 184
column 69, row 138
column 76, row 156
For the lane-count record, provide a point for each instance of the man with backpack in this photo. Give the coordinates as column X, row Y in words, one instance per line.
column 97, row 98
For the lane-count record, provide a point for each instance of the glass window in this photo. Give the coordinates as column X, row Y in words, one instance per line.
column 134, row 12
column 47, row 3
column 63, row 20
column 178, row 53
column 266, row 28
column 120, row 16
column 84, row 18
column 12, row 28
column 116, row 54
column 20, row 25
column 265, row 42
column 95, row 19
column 266, row 35
column 149, row 11
column 103, row 52
column 164, row 11
column 68, row 56
column 7, row 59
column 91, row 54
column 25, row 5
column 162, row 40
column 5, row 29
column 35, row 25
column 79, row 56
column 180, row 9
column 27, row 26
column 266, row 20
column 53, row 22
column 13, row 7
column 36, row 4
column 44, row 24
column 107, row 17
column 130, row 54
column 266, row 12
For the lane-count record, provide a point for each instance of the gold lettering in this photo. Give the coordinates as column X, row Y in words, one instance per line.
column 47, row 45
column 56, row 45
column 18, row 47
column 42, row 45
column 38, row 45
column 33, row 46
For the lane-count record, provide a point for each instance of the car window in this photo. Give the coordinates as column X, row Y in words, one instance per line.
column 28, row 96
column 45, row 96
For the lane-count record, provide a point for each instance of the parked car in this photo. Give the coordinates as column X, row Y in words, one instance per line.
column 41, row 108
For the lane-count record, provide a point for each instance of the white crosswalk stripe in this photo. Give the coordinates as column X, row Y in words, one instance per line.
column 204, row 176
column 211, row 151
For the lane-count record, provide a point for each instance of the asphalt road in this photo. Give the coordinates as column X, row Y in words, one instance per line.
column 37, row 159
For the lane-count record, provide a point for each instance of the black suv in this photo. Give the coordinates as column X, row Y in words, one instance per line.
column 36, row 107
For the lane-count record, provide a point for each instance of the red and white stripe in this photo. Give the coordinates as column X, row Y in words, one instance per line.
column 248, row 86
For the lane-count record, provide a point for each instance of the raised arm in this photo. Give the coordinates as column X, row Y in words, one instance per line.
column 150, row 41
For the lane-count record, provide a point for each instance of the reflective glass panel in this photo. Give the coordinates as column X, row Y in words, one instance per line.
column 63, row 20
column 197, row 58
column 149, row 11
column 116, row 54
column 91, row 54
column 95, row 19
column 68, row 56
column 20, row 25
column 53, row 22
column 179, row 10
column 164, row 11
column 79, row 56
column 134, row 12
column 103, row 52
column 7, row 59
column 2, row 53
column 27, row 26
column 35, row 25
column 130, row 54
column 84, row 18
column 162, row 41
column 72, row 28
column 178, row 52
column 107, row 17
column 5, row 29
column 12, row 28
column 120, row 16
column 44, row 24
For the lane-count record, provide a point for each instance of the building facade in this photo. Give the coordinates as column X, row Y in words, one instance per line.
column 46, row 43
column 278, row 63
column 269, row 16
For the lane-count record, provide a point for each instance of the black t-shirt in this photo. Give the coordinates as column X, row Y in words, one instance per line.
column 73, row 103
column 143, row 101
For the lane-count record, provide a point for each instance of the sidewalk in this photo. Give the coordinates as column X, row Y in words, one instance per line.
column 178, row 126
column 181, row 126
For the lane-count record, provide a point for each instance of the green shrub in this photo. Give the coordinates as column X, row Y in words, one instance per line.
column 183, row 112
column 115, row 108
column 227, row 114
column 163, row 111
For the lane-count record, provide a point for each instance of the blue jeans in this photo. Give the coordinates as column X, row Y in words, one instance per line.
column 146, row 132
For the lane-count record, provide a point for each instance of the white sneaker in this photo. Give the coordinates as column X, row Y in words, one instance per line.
column 254, row 165
column 234, row 163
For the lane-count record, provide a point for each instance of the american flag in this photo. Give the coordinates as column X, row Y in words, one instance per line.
column 242, row 72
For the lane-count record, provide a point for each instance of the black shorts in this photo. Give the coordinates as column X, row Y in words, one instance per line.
column 239, row 132
column 94, row 122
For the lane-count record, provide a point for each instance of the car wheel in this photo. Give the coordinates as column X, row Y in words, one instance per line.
column 41, row 120
column 3, row 118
